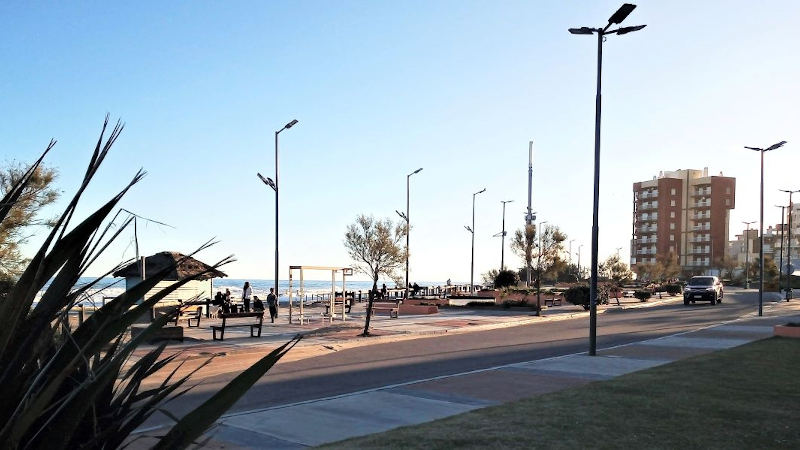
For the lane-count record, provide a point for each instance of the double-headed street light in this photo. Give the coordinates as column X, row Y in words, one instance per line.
column 761, row 224
column 407, row 220
column 274, row 185
column 472, row 231
column 789, row 266
column 747, row 254
column 616, row 18
column 502, row 235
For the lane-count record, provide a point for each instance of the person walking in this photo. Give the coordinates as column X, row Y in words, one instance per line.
column 272, row 304
column 247, row 292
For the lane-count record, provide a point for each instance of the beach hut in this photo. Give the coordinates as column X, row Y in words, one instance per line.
column 184, row 267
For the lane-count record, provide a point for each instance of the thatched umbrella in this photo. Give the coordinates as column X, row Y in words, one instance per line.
column 183, row 267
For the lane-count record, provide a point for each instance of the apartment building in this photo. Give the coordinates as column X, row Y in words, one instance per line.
column 685, row 213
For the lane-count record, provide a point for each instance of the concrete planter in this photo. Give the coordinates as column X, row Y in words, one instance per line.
column 790, row 330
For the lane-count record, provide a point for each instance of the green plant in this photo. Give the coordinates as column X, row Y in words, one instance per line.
column 673, row 289
column 505, row 278
column 579, row 295
column 643, row 295
column 510, row 303
column 76, row 388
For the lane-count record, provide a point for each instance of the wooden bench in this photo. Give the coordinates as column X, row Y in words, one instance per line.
column 553, row 301
column 225, row 317
column 392, row 310
column 189, row 316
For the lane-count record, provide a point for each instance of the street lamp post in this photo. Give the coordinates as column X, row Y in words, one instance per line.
column 502, row 235
column 618, row 249
column 780, row 267
column 274, row 185
column 761, row 225
column 789, row 247
column 539, row 271
column 616, row 18
column 472, row 231
column 580, row 272
column 747, row 254
column 407, row 218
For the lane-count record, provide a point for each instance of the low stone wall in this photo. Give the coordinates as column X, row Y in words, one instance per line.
column 424, row 302
column 413, row 310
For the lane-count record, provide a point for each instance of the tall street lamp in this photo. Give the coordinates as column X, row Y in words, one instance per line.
column 580, row 272
column 406, row 217
column 502, row 235
column 789, row 266
column 539, row 271
column 747, row 254
column 761, row 225
column 274, row 185
column 616, row 18
column 780, row 266
column 472, row 231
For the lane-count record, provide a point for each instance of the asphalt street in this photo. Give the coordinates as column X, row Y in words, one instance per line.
column 367, row 367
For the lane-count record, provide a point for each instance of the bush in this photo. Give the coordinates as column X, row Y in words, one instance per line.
column 510, row 303
column 579, row 295
column 643, row 295
column 673, row 289
column 505, row 278
column 481, row 304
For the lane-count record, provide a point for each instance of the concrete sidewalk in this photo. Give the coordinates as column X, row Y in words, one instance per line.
column 322, row 336
column 331, row 419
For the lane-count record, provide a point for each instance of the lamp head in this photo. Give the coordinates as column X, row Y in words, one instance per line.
column 291, row 124
column 774, row 146
column 417, row 171
column 626, row 30
column 581, row 30
column 621, row 13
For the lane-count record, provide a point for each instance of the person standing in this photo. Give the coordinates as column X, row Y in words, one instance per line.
column 272, row 304
column 384, row 291
column 247, row 292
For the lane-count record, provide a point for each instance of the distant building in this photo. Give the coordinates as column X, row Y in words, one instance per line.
column 684, row 213
column 746, row 245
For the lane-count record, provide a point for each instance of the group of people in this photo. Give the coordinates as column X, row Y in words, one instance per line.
column 227, row 307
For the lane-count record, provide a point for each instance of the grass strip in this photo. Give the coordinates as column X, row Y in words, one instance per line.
column 745, row 397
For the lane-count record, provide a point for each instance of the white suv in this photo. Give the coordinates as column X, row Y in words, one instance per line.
column 703, row 288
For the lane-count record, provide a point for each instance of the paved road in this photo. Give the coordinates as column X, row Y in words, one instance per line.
column 373, row 366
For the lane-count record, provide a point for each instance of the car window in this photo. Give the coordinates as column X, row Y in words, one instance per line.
column 702, row 281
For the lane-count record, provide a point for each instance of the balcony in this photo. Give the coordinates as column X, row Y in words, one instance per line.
column 645, row 240
column 647, row 230
column 701, row 192
column 701, row 215
column 700, row 239
column 649, row 194
column 648, row 218
column 705, row 227
column 649, row 205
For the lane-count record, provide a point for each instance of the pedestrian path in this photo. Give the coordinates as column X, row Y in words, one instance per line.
column 327, row 420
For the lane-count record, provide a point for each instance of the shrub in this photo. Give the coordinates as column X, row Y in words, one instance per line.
column 673, row 289
column 643, row 295
column 510, row 303
column 505, row 278
column 579, row 295
column 480, row 304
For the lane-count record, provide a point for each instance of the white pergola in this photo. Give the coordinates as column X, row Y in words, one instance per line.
column 346, row 271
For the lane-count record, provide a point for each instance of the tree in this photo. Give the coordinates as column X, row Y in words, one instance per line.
column 727, row 267
column 374, row 246
column 669, row 266
column 505, row 278
column 523, row 244
column 615, row 269
column 15, row 228
column 552, row 239
column 490, row 276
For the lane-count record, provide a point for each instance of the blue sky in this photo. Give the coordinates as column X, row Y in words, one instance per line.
column 382, row 88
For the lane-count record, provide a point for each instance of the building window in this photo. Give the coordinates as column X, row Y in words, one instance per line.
column 672, row 203
column 672, row 225
column 727, row 202
column 672, row 249
column 672, row 191
column 672, row 214
column 671, row 237
column 727, row 190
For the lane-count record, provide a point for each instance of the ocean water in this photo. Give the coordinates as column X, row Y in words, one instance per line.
column 111, row 287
